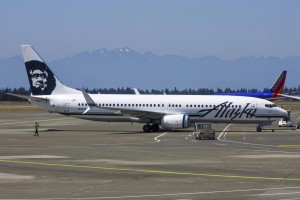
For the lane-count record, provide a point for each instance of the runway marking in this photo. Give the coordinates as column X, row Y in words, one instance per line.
column 258, row 145
column 266, row 156
column 150, row 171
column 14, row 177
column 272, row 194
column 159, row 136
column 289, row 145
column 31, row 156
column 42, row 120
column 171, row 194
column 225, row 130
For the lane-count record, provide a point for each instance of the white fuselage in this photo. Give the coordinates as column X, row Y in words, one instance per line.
column 200, row 108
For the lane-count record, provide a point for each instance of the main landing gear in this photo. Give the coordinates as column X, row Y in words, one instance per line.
column 153, row 128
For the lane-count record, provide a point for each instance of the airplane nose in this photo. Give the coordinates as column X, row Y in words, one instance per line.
column 283, row 112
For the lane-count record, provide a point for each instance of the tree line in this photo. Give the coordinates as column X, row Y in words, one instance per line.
column 128, row 90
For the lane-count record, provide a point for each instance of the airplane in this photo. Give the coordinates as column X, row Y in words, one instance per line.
column 272, row 94
column 155, row 111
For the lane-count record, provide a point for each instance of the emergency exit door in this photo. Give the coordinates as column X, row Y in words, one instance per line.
column 66, row 105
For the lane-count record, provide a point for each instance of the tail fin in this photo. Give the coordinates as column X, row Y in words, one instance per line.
column 278, row 86
column 41, row 79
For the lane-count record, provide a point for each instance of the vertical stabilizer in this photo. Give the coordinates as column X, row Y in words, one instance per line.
column 278, row 86
column 41, row 79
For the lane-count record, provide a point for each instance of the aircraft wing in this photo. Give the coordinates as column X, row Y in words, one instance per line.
column 124, row 111
column 137, row 113
column 290, row 96
column 29, row 97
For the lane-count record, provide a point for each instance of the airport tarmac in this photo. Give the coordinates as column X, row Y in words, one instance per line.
column 78, row 159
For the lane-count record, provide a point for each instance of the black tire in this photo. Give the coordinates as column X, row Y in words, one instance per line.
column 258, row 129
column 146, row 128
column 154, row 127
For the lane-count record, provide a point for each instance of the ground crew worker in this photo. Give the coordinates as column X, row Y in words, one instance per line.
column 36, row 127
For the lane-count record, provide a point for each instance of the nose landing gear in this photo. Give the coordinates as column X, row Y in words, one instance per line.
column 258, row 128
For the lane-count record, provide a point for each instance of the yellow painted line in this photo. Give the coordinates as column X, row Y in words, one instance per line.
column 289, row 145
column 150, row 171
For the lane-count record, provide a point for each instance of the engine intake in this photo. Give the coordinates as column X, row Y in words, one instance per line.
column 175, row 121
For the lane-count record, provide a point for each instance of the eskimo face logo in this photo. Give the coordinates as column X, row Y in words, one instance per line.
column 39, row 78
column 42, row 80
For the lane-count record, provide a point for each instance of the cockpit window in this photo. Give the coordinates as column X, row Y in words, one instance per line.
column 270, row 105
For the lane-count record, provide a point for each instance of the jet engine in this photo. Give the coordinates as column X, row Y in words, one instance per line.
column 175, row 121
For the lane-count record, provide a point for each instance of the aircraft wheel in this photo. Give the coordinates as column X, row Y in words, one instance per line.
column 258, row 129
column 154, row 127
column 146, row 128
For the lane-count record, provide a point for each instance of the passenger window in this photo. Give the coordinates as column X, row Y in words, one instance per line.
column 150, row 105
column 113, row 104
column 79, row 104
column 158, row 105
column 143, row 105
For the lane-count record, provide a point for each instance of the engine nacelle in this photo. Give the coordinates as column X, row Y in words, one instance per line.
column 175, row 121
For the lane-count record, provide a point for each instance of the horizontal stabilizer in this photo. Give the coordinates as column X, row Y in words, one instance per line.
column 28, row 97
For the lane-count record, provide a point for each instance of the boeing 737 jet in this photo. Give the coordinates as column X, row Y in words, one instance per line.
column 155, row 111
column 273, row 93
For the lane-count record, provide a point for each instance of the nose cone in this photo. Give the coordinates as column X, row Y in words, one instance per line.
column 282, row 112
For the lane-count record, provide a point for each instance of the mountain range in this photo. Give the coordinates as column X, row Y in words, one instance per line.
column 124, row 67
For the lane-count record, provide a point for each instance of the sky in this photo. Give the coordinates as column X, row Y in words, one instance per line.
column 192, row 28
